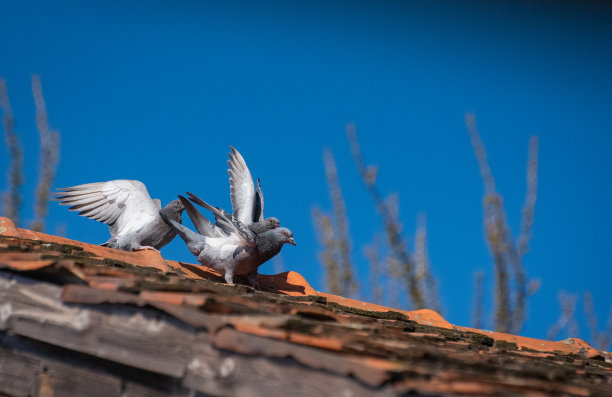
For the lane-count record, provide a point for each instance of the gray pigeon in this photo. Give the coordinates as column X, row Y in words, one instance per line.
column 233, row 249
column 247, row 203
column 132, row 216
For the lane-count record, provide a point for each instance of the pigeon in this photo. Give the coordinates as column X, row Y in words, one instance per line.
column 232, row 248
column 247, row 203
column 125, row 205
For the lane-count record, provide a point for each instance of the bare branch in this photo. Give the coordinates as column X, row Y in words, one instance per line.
column 343, row 247
column 530, row 198
column 481, row 154
column 12, row 197
column 497, row 238
column 606, row 339
column 478, row 314
column 392, row 226
column 423, row 271
column 567, row 319
column 49, row 155
column 510, row 305
column 394, row 274
column 372, row 253
column 325, row 234
column 522, row 246
column 601, row 340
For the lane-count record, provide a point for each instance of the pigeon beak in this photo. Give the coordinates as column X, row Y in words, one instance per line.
column 291, row 241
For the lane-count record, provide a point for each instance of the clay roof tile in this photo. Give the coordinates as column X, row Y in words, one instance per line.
column 71, row 306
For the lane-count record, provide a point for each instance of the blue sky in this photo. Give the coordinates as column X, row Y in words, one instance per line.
column 157, row 91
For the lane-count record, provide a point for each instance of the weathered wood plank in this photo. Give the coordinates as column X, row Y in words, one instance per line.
column 152, row 341
column 140, row 337
column 17, row 373
column 62, row 372
column 239, row 375
column 62, row 379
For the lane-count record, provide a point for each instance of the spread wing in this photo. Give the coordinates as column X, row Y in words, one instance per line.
column 242, row 191
column 227, row 222
column 121, row 204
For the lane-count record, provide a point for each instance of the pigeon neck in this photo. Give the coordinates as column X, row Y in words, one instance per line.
column 268, row 246
column 172, row 213
column 258, row 227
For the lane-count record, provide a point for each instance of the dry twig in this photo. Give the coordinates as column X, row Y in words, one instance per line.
column 567, row 318
column 397, row 245
column 49, row 155
column 423, row 272
column 372, row 253
column 601, row 339
column 11, row 199
column 478, row 314
column 510, row 305
column 348, row 281
column 325, row 234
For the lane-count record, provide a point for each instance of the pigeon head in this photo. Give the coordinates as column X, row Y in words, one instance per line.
column 272, row 223
column 265, row 225
column 270, row 243
column 282, row 235
column 174, row 210
column 176, row 205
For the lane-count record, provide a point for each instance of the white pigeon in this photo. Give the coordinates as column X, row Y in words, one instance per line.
column 128, row 209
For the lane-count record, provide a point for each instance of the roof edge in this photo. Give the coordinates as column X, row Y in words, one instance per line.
column 294, row 284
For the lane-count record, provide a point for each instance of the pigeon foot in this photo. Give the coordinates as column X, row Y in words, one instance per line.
column 229, row 277
column 252, row 277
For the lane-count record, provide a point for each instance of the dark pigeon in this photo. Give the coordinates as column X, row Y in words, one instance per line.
column 132, row 216
column 233, row 249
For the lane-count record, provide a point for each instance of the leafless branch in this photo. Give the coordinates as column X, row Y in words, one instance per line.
column 325, row 234
column 481, row 154
column 396, row 243
column 530, row 198
column 522, row 246
column 343, row 247
column 11, row 199
column 601, row 340
column 423, row 271
column 395, row 273
column 497, row 238
column 372, row 253
column 510, row 304
column 478, row 314
column 49, row 155
column 567, row 318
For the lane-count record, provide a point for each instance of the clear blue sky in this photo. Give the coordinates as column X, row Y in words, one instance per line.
column 157, row 91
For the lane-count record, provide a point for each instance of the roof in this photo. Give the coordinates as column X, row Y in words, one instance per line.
column 81, row 319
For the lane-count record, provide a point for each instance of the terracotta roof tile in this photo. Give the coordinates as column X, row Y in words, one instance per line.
column 180, row 329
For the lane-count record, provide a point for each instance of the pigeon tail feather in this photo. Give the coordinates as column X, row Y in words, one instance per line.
column 193, row 240
column 202, row 224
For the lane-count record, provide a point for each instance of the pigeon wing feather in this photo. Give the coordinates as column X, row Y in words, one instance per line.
column 199, row 221
column 122, row 204
column 242, row 190
column 227, row 220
